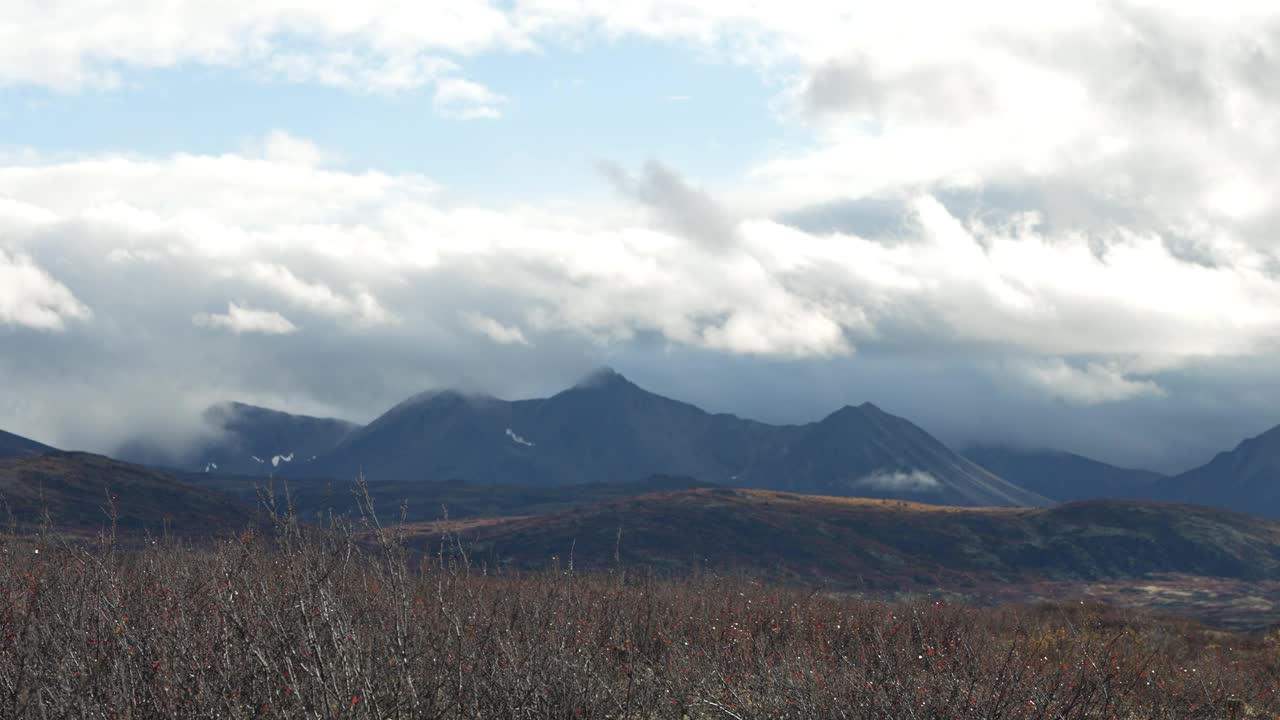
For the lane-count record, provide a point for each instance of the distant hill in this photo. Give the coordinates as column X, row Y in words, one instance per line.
column 1064, row 476
column 879, row 543
column 15, row 445
column 607, row 429
column 73, row 488
column 1246, row 479
column 425, row 501
column 246, row 440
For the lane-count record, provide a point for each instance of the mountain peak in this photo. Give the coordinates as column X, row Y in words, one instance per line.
column 235, row 411
column 850, row 412
column 445, row 397
column 603, row 377
column 235, row 408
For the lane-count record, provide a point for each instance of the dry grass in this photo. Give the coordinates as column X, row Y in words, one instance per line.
column 299, row 622
column 776, row 497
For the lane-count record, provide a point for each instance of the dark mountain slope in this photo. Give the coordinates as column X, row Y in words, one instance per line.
column 434, row 436
column 15, row 445
column 1064, row 476
column 867, row 452
column 612, row 429
column 1246, row 479
column 245, row 439
column 605, row 429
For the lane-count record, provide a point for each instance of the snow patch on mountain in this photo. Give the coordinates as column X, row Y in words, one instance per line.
column 277, row 459
column 518, row 439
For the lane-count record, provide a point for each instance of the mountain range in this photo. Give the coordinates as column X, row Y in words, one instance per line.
column 606, row 429
column 606, row 472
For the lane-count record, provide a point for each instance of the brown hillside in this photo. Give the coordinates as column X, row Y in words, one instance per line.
column 849, row 542
column 73, row 488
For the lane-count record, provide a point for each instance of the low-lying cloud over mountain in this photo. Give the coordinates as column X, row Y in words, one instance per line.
column 916, row 481
column 604, row 429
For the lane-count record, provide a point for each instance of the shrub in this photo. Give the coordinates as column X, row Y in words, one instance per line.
column 345, row 621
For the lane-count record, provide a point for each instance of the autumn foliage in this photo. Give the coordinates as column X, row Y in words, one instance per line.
column 346, row 621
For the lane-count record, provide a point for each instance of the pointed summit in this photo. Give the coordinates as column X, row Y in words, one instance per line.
column 866, row 451
column 603, row 377
column 862, row 414
column 865, row 410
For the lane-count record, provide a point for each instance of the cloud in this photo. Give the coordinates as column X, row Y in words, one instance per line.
column 1064, row 206
column 354, row 247
column 195, row 196
column 1095, row 115
column 859, row 87
column 494, row 330
column 30, row 297
column 246, row 320
column 467, row 100
column 1094, row 383
column 381, row 45
column 380, row 48
column 1015, row 285
column 677, row 206
column 916, row 481
column 282, row 147
column 362, row 72
column 319, row 298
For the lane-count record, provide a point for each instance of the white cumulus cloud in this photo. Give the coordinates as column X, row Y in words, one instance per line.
column 494, row 330
column 359, row 304
column 240, row 319
column 30, row 297
column 466, row 100
column 354, row 247
column 380, row 44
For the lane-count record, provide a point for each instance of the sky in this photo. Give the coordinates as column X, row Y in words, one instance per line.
column 1031, row 224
